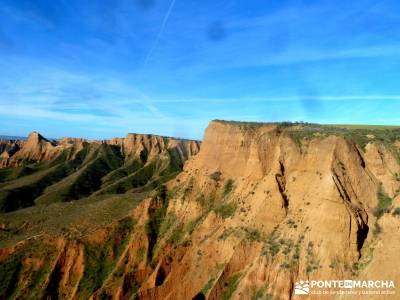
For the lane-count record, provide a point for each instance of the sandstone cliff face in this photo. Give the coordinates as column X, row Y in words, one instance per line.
column 293, row 213
column 35, row 148
column 146, row 147
column 252, row 213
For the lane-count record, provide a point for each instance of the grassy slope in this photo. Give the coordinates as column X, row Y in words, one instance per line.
column 97, row 175
column 85, row 179
column 74, row 218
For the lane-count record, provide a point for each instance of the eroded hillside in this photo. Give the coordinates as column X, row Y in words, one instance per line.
column 260, row 207
column 40, row 172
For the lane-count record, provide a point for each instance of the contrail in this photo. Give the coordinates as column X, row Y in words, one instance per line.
column 160, row 32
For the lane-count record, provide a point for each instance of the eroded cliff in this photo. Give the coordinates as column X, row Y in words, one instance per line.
column 260, row 207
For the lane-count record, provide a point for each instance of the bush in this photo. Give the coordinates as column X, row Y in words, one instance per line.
column 208, row 286
column 228, row 187
column 396, row 212
column 312, row 262
column 384, row 203
column 272, row 246
column 176, row 236
column 377, row 229
column 231, row 285
column 225, row 210
column 216, row 176
column 253, row 234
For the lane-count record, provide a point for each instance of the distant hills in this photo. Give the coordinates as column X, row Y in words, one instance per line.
column 11, row 137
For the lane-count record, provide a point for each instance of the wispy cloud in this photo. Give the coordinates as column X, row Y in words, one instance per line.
column 160, row 32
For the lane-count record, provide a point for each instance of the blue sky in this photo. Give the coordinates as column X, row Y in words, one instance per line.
column 100, row 69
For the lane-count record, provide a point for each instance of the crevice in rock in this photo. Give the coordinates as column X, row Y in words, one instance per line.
column 339, row 186
column 199, row 296
column 362, row 234
column 360, row 216
column 56, row 275
column 160, row 277
column 281, row 181
column 143, row 155
column 130, row 285
column 157, row 211
column 360, row 157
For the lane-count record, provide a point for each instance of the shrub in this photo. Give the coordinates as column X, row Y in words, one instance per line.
column 208, row 286
column 201, row 200
column 312, row 262
column 384, row 203
column 272, row 246
column 377, row 229
column 225, row 210
column 176, row 236
column 191, row 226
column 261, row 293
column 226, row 233
column 396, row 211
column 231, row 285
column 397, row 176
column 216, row 176
column 252, row 234
column 228, row 187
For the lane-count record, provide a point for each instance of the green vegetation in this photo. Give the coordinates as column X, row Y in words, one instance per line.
column 206, row 288
column 360, row 135
column 367, row 253
column 156, row 219
column 100, row 260
column 384, row 203
column 225, row 210
column 396, row 176
column 201, row 200
column 291, row 251
column 168, row 223
column 125, row 170
column 16, row 264
column 175, row 161
column 226, row 233
column 105, row 186
column 288, row 246
column 252, row 234
column 76, row 174
column 312, row 262
column 229, row 185
column 70, row 219
column 192, row 225
column 216, row 176
column 396, row 211
column 272, row 246
column 61, row 179
column 135, row 180
column 177, row 235
column 361, row 126
column 231, row 286
column 291, row 223
column 261, row 293
column 377, row 229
